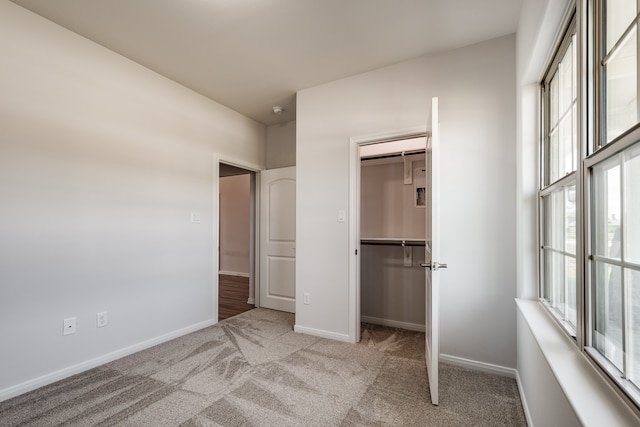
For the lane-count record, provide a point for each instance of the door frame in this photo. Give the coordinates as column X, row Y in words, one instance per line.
column 354, row 215
column 254, row 252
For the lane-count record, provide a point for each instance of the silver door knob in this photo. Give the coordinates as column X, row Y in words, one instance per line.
column 433, row 266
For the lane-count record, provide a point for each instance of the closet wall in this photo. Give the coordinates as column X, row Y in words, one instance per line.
column 391, row 280
column 235, row 224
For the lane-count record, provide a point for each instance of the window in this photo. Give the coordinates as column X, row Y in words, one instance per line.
column 619, row 62
column 615, row 264
column 558, row 194
column 589, row 200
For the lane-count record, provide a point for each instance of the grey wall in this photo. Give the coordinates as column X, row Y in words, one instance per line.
column 101, row 164
column 392, row 293
column 387, row 207
column 476, row 87
column 281, row 145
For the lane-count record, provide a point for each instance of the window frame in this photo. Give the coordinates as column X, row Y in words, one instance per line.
column 571, row 25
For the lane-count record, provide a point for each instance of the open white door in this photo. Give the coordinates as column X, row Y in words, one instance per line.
column 277, row 239
column 432, row 256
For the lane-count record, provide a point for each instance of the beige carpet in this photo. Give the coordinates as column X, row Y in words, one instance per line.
column 253, row 370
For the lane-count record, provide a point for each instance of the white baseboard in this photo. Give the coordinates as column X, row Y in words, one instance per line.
column 67, row 372
column 251, row 301
column 233, row 273
column 478, row 366
column 321, row 333
column 393, row 323
column 525, row 407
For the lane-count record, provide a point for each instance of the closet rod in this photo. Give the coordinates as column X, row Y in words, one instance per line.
column 388, row 156
column 391, row 242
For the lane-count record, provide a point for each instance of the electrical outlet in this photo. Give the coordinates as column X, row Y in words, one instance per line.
column 69, row 326
column 101, row 319
column 306, row 298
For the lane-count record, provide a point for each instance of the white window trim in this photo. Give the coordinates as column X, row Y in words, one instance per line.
column 590, row 395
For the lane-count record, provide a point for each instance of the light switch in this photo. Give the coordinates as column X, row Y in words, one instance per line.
column 341, row 215
column 195, row 217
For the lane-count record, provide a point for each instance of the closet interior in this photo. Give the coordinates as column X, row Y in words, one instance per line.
column 394, row 198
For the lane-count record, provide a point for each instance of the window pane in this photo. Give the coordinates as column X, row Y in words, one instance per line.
column 554, row 101
column 621, row 88
column 562, row 130
column 632, row 205
column 632, row 279
column 566, row 145
column 556, row 220
column 574, row 71
column 548, row 274
column 574, row 138
column 567, row 80
column 607, row 336
column 607, row 206
column 554, row 157
column 570, row 290
column 619, row 14
column 570, row 219
column 546, row 214
column 557, row 297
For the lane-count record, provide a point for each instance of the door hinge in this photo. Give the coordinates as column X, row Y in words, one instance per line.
column 356, row 252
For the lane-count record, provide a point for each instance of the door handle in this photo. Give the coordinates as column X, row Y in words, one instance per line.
column 433, row 266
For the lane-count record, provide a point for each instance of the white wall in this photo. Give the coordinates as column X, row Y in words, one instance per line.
column 235, row 224
column 545, row 401
column 541, row 393
column 101, row 163
column 281, row 145
column 477, row 112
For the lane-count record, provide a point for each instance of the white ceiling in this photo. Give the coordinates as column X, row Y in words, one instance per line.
column 251, row 55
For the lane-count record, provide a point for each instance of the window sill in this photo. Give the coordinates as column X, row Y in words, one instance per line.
column 594, row 401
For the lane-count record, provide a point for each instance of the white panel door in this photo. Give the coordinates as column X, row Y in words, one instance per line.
column 432, row 256
column 278, row 238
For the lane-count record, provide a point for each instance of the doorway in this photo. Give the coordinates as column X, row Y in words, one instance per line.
column 381, row 146
column 392, row 227
column 236, row 240
column 393, row 209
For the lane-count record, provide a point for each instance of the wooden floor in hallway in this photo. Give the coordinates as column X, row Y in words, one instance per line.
column 233, row 293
